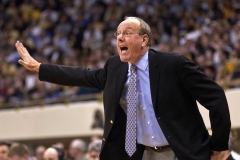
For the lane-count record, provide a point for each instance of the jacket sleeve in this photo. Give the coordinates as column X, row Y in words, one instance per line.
column 210, row 95
column 73, row 76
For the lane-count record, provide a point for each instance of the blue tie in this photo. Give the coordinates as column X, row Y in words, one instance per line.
column 131, row 128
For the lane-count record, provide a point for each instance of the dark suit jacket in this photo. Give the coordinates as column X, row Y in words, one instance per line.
column 176, row 83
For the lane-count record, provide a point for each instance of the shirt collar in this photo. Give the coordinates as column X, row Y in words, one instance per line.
column 142, row 63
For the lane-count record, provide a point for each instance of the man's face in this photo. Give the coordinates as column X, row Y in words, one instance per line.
column 4, row 152
column 94, row 155
column 129, row 42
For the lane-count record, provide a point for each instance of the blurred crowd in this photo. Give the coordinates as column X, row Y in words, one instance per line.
column 78, row 149
column 80, row 32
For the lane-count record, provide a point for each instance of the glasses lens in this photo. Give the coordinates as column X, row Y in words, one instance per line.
column 116, row 34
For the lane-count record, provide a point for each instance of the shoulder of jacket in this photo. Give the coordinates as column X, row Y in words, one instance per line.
column 114, row 61
column 165, row 55
column 114, row 58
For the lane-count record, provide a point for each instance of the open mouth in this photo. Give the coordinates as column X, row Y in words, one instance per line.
column 123, row 49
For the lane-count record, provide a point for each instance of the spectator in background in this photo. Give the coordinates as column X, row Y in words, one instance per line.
column 94, row 138
column 54, row 93
column 210, row 71
column 4, row 150
column 236, row 148
column 98, row 119
column 164, row 47
column 19, row 151
column 50, row 154
column 94, row 150
column 233, row 80
column 200, row 60
column 62, row 153
column 39, row 91
column 222, row 69
column 184, row 51
column 59, row 145
column 113, row 11
column 77, row 149
column 39, row 152
column 52, row 30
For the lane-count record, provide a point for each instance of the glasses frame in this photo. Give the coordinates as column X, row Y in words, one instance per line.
column 124, row 34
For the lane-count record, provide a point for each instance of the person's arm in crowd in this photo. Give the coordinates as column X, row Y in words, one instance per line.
column 27, row 61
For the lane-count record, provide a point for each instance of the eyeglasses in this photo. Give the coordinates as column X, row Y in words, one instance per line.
column 124, row 34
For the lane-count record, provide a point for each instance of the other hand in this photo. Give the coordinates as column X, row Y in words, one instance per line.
column 216, row 155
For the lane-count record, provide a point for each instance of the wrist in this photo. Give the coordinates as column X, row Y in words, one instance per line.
column 37, row 68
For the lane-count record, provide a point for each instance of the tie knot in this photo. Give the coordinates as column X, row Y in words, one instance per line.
column 133, row 67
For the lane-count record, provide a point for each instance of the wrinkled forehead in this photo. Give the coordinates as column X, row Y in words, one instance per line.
column 130, row 23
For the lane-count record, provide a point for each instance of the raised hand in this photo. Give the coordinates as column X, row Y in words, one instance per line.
column 27, row 61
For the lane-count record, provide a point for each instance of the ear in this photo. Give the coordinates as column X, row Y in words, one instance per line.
column 145, row 40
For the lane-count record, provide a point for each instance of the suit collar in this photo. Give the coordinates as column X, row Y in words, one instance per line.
column 154, row 75
column 143, row 62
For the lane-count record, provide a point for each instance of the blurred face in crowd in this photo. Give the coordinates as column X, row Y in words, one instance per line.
column 40, row 152
column 93, row 155
column 50, row 154
column 4, row 152
column 16, row 157
column 131, row 45
column 73, row 152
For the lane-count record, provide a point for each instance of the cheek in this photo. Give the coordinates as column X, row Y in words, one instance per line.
column 134, row 49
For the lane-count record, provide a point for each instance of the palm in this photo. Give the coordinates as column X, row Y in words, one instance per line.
column 27, row 61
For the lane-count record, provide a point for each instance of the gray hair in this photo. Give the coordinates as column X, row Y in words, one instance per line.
column 79, row 144
column 144, row 28
column 95, row 145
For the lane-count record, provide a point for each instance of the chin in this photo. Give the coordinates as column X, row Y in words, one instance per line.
column 123, row 59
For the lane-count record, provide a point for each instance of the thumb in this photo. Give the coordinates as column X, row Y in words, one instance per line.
column 32, row 66
column 20, row 61
column 23, row 63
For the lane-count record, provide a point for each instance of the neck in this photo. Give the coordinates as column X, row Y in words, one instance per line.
column 143, row 52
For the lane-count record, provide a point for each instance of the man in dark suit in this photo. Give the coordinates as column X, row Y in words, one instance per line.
column 149, row 100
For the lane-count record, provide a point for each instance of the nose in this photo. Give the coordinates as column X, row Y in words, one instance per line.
column 120, row 37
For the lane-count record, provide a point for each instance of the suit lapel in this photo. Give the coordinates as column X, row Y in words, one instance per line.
column 121, row 77
column 154, row 75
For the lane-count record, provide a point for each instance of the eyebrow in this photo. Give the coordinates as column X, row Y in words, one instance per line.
column 127, row 28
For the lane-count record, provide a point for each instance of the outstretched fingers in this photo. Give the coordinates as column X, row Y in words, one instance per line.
column 21, row 49
column 23, row 53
